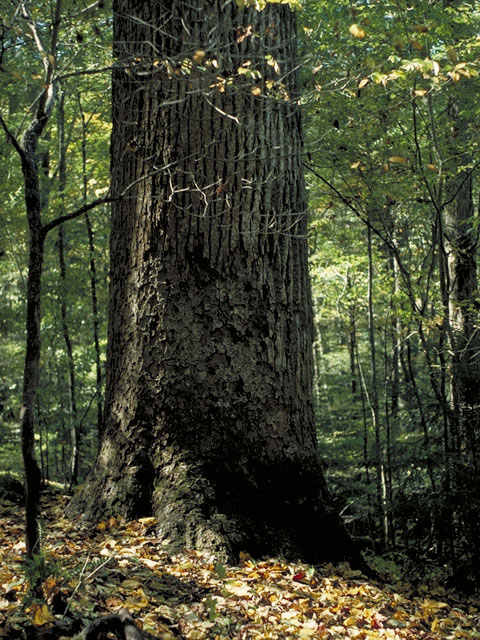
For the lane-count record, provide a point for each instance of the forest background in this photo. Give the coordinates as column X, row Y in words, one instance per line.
column 391, row 155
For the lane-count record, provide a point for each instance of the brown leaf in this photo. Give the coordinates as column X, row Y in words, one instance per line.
column 243, row 32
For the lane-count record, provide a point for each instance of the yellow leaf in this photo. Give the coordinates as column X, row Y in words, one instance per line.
column 42, row 616
column 51, row 59
column 355, row 165
column 363, row 83
column 256, row 91
column 432, row 167
column 431, row 607
column 244, row 68
column 197, row 634
column 244, row 557
column 445, row 623
column 397, row 159
column 130, row 583
column 151, row 564
column 198, row 56
column 238, row 588
column 137, row 600
column 148, row 521
column 308, row 629
column 420, row 28
column 419, row 93
column 357, row 32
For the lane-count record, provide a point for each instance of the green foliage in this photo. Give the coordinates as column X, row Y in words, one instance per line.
column 379, row 88
column 84, row 45
column 37, row 569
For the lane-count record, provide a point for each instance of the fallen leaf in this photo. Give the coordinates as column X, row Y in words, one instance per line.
column 43, row 615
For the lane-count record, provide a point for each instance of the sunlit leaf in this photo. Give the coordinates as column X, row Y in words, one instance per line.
column 357, row 32
column 198, row 56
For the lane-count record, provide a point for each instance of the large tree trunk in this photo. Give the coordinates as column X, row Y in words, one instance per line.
column 208, row 416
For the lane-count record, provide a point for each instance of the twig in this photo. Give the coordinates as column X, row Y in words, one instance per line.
column 70, row 216
column 12, row 138
column 81, row 580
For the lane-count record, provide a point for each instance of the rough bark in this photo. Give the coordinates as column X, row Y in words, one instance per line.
column 461, row 243
column 93, row 280
column 62, row 181
column 30, row 380
column 208, row 415
column 27, row 151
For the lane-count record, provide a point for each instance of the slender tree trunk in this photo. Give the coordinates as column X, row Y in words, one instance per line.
column 208, row 415
column 366, row 458
column 93, row 283
column 396, row 325
column 352, row 349
column 462, row 245
column 32, row 354
column 27, row 151
column 62, row 180
column 374, row 403
column 410, row 376
column 74, row 427
column 321, row 392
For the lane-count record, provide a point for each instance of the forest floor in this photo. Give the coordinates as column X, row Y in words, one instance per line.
column 95, row 571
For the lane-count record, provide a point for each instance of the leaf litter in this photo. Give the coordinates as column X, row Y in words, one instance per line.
column 122, row 565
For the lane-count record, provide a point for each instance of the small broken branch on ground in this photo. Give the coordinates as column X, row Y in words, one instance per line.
column 121, row 624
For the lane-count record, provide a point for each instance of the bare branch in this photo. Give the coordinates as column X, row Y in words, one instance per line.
column 12, row 138
column 87, row 72
column 98, row 4
column 54, row 40
column 75, row 214
column 36, row 36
